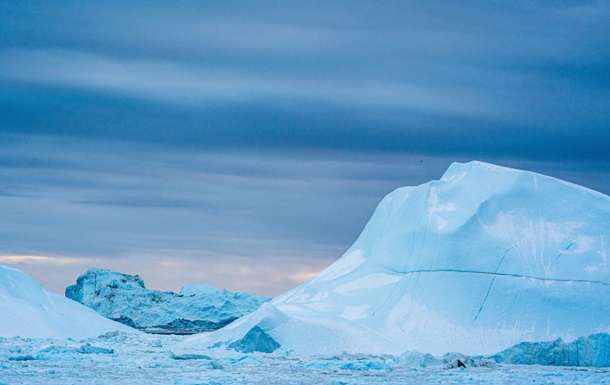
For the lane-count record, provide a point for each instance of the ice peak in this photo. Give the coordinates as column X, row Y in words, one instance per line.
column 457, row 171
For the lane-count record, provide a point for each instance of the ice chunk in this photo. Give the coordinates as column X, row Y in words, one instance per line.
column 90, row 349
column 417, row 359
column 255, row 340
column 190, row 356
column 198, row 290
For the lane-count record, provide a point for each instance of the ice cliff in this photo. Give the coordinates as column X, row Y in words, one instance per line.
column 483, row 259
column 124, row 298
column 28, row 310
column 591, row 350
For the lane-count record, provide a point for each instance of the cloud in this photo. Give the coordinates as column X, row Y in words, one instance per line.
column 221, row 217
column 183, row 83
column 171, row 272
column 521, row 64
column 126, row 196
column 37, row 260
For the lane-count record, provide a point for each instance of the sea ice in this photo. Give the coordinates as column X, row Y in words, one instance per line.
column 143, row 359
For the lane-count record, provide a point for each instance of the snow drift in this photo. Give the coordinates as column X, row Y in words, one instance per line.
column 124, row 298
column 476, row 262
column 28, row 310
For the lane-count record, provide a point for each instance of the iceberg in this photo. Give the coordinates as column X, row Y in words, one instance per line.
column 30, row 311
column 125, row 299
column 585, row 351
column 478, row 261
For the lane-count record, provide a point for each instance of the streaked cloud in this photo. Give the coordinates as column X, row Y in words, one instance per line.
column 37, row 260
column 171, row 271
column 184, row 83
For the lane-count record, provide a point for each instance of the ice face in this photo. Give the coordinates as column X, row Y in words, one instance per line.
column 585, row 351
column 124, row 298
column 478, row 261
column 28, row 310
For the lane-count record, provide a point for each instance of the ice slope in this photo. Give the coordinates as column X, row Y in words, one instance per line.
column 28, row 310
column 124, row 298
column 478, row 261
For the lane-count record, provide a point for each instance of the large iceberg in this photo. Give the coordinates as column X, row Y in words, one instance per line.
column 476, row 262
column 28, row 310
column 125, row 298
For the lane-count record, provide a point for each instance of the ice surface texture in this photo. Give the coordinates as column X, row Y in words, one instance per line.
column 124, row 298
column 478, row 261
column 28, row 310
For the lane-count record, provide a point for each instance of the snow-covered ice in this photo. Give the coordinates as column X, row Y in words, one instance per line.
column 28, row 310
column 476, row 262
column 124, row 298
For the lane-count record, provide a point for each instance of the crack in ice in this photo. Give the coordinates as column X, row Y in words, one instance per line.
column 490, row 285
column 560, row 254
column 506, row 275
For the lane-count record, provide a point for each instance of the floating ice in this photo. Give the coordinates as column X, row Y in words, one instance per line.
column 124, row 298
column 476, row 262
column 256, row 340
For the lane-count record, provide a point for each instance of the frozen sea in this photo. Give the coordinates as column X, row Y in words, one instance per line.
column 122, row 358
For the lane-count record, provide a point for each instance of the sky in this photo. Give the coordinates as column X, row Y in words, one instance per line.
column 246, row 144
